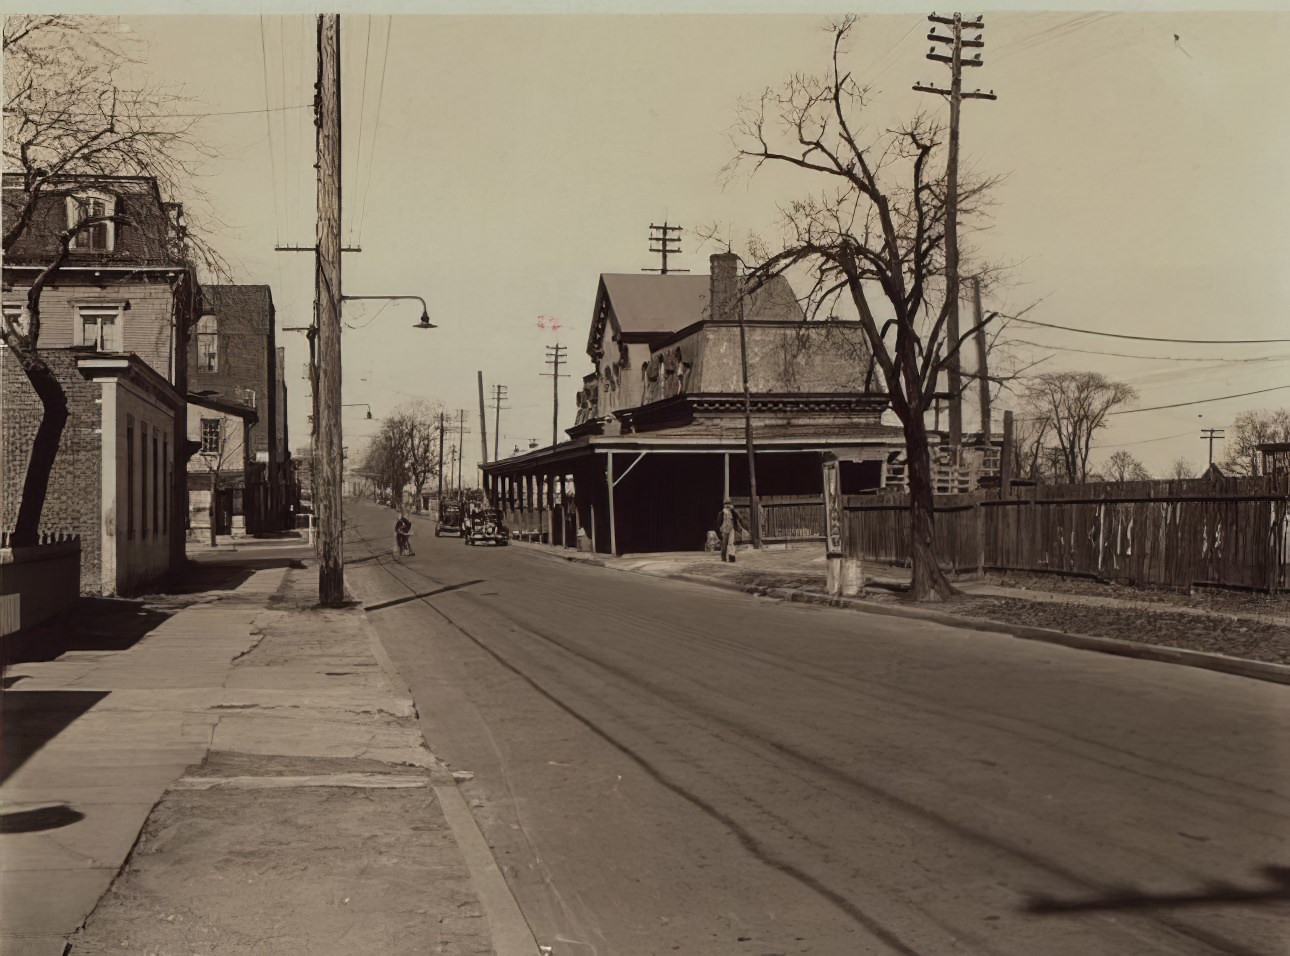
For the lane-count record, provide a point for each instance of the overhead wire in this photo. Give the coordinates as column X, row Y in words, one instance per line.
column 1146, row 338
column 371, row 157
column 1152, row 358
column 1199, row 401
column 288, row 184
column 356, row 176
column 268, row 123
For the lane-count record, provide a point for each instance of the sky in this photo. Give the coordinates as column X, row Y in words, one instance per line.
column 497, row 164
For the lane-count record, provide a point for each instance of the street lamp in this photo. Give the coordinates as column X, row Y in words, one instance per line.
column 359, row 405
column 425, row 322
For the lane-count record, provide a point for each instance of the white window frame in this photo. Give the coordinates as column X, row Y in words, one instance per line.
column 14, row 310
column 102, row 310
column 75, row 201
column 219, row 439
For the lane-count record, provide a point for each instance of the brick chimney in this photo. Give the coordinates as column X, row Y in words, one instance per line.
column 725, row 301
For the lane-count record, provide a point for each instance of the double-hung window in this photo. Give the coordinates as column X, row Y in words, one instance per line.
column 212, row 435
column 99, row 326
column 100, row 236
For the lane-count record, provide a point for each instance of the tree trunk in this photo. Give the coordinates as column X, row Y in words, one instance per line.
column 416, row 505
column 44, row 449
column 929, row 582
column 214, row 503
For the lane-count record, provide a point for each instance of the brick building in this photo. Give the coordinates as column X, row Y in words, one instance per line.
column 235, row 367
column 114, row 324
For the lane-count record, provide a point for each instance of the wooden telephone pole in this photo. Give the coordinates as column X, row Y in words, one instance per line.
column 666, row 245
column 499, row 396
column 441, row 459
column 483, row 423
column 328, row 461
column 956, row 95
column 555, row 358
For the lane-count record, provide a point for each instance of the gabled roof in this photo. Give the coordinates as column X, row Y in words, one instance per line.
column 654, row 305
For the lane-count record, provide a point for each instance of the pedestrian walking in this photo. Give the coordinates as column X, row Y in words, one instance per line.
column 403, row 535
column 728, row 525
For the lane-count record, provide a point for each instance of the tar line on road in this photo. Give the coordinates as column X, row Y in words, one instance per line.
column 910, row 851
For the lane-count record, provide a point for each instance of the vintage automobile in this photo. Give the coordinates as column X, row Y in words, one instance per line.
column 449, row 519
column 485, row 526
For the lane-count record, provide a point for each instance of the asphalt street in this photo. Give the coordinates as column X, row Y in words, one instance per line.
column 663, row 767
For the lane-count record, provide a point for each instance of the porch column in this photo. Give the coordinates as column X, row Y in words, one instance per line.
column 725, row 477
column 550, row 509
column 613, row 530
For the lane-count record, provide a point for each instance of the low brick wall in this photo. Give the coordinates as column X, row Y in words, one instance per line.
column 38, row 583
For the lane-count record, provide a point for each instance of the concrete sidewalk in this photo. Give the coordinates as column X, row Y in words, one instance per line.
column 245, row 777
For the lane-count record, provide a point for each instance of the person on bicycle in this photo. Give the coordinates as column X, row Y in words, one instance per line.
column 402, row 533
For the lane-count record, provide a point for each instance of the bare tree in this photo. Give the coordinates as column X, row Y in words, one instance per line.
column 872, row 237
column 65, row 115
column 1122, row 466
column 1181, row 469
column 413, row 435
column 384, row 465
column 1247, row 432
column 1075, row 406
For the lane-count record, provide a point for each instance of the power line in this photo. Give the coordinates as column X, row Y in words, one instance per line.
column 1199, row 401
column 1147, row 338
column 1144, row 441
column 376, row 127
column 1151, row 358
column 252, row 112
column 362, row 106
column 268, row 125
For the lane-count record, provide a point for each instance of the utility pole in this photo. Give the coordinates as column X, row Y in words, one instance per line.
column 441, row 458
column 461, row 447
column 956, row 95
column 982, row 361
column 483, row 423
column 555, row 358
column 499, row 396
column 1209, row 434
column 328, row 461
column 665, row 245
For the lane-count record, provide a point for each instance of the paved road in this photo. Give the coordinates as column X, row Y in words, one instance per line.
column 668, row 768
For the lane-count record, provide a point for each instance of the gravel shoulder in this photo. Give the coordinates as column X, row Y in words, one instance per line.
column 1252, row 626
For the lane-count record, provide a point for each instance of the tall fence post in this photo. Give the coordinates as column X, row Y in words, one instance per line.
column 978, row 513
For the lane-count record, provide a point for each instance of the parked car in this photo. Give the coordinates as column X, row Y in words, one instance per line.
column 449, row 521
column 486, row 525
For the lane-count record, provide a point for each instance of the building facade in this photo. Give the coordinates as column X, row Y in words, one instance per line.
column 114, row 325
column 236, row 379
column 661, row 434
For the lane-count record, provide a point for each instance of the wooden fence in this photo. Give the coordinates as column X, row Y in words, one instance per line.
column 787, row 517
column 1230, row 534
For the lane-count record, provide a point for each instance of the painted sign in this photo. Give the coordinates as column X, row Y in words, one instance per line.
column 832, row 509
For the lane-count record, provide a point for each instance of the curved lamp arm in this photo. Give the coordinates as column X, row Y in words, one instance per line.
column 425, row 322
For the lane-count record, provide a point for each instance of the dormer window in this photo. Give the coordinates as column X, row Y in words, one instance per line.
column 90, row 204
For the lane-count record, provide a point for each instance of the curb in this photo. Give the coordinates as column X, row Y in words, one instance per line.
column 509, row 932
column 1237, row 666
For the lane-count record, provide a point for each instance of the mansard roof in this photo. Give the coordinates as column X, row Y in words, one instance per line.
column 644, row 307
column 147, row 239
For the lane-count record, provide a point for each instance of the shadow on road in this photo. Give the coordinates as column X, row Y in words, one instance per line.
column 1278, row 891
column 417, row 597
column 35, row 717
